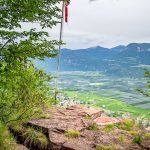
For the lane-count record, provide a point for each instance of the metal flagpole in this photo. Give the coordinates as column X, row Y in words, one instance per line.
column 59, row 49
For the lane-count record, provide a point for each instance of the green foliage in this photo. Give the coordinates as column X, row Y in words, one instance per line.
column 109, row 127
column 146, row 92
column 110, row 104
column 87, row 117
column 13, row 12
column 6, row 140
column 72, row 134
column 127, row 125
column 23, row 87
column 122, row 138
column 45, row 116
column 34, row 137
column 17, row 128
column 137, row 139
column 93, row 127
column 22, row 92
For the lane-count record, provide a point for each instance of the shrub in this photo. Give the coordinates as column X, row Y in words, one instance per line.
column 17, row 128
column 93, row 127
column 34, row 137
column 127, row 125
column 23, row 93
column 6, row 140
column 137, row 139
column 109, row 128
column 72, row 134
column 23, row 86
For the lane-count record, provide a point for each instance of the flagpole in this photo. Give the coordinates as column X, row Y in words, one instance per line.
column 59, row 50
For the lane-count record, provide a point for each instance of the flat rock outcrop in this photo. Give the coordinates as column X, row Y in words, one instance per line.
column 79, row 118
column 66, row 119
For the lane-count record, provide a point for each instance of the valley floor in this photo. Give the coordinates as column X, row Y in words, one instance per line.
column 100, row 84
column 114, row 107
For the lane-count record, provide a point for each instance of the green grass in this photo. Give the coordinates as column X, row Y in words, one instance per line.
column 122, row 138
column 88, row 117
column 134, row 132
column 109, row 128
column 147, row 135
column 34, row 137
column 137, row 139
column 109, row 103
column 72, row 134
column 45, row 116
column 17, row 128
column 93, row 127
column 104, row 147
column 127, row 125
column 7, row 142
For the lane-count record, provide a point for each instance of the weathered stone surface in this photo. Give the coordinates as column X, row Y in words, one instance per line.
column 21, row 147
column 105, row 120
column 69, row 118
column 84, row 111
column 79, row 118
column 57, row 138
column 78, row 144
column 146, row 144
column 148, row 129
column 62, row 120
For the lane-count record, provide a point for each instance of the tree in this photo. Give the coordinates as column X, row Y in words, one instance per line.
column 146, row 92
column 24, row 89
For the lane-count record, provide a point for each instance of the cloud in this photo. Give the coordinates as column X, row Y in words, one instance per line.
column 107, row 23
column 104, row 22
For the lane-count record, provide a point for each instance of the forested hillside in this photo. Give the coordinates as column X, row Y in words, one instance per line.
column 127, row 60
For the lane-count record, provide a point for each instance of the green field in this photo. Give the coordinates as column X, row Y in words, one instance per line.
column 109, row 104
column 103, row 85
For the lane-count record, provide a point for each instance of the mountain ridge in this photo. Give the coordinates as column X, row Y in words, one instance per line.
column 120, row 60
column 130, row 45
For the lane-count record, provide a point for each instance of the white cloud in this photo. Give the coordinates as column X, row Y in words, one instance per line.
column 104, row 22
column 107, row 23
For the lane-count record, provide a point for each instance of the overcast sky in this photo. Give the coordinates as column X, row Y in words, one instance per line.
column 106, row 22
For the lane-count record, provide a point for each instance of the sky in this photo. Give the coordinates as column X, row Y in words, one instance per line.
column 106, row 23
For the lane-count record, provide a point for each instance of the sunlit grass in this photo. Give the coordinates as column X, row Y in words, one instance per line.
column 109, row 128
column 7, row 142
column 72, row 134
column 109, row 103
column 105, row 147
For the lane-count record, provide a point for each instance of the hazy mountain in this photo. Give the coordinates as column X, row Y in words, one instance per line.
column 119, row 48
column 120, row 60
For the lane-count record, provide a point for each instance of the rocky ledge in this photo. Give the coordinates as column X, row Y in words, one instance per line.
column 81, row 128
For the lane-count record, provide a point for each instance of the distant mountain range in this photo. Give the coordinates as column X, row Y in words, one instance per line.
column 121, row 60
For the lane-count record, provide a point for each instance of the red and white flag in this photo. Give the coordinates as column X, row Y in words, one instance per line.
column 66, row 12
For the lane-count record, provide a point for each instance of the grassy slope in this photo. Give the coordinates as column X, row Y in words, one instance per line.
column 110, row 104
